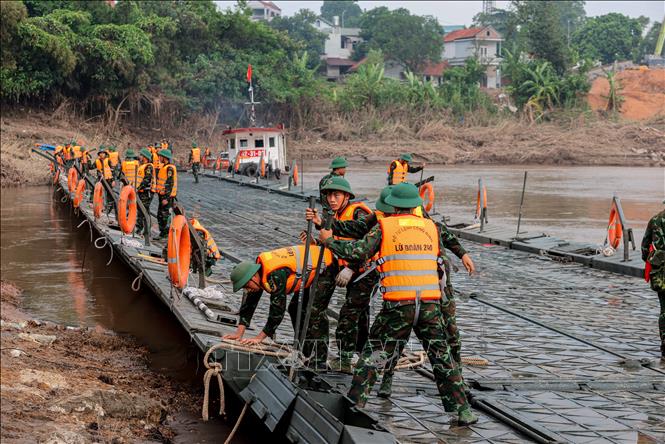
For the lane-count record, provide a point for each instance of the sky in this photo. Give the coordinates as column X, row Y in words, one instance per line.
column 462, row 12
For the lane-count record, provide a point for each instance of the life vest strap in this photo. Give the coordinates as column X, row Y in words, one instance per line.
column 407, row 257
column 416, row 288
column 409, row 273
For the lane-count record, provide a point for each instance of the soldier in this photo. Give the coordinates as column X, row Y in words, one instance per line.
column 85, row 160
column 195, row 161
column 353, row 325
column 129, row 168
column 277, row 272
column 114, row 160
column 411, row 289
column 103, row 166
column 337, row 168
column 167, row 190
column 653, row 252
column 400, row 167
column 145, row 180
column 212, row 252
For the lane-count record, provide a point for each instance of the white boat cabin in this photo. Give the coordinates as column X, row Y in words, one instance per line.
column 251, row 143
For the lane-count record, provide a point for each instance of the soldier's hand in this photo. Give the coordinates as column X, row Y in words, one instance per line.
column 240, row 331
column 303, row 238
column 164, row 201
column 344, row 277
column 468, row 263
column 255, row 340
column 313, row 215
column 324, row 234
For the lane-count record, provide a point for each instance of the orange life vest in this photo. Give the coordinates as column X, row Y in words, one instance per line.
column 160, row 187
column 399, row 173
column 211, row 246
column 104, row 169
column 291, row 258
column 196, row 155
column 114, row 158
column 347, row 214
column 129, row 169
column 408, row 258
column 85, row 156
column 68, row 152
column 76, row 150
column 140, row 175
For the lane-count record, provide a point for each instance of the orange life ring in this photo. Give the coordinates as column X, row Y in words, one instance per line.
column 72, row 179
column 98, row 200
column 427, row 195
column 78, row 193
column 478, row 201
column 178, row 251
column 614, row 228
column 295, row 173
column 127, row 209
column 56, row 177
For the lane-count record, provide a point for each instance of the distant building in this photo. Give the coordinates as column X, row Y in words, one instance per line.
column 483, row 44
column 264, row 10
column 338, row 47
column 432, row 72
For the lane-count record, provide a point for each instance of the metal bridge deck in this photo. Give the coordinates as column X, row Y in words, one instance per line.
column 572, row 350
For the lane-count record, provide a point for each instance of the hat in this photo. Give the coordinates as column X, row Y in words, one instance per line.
column 338, row 183
column 165, row 153
column 130, row 154
column 406, row 157
column 338, row 162
column 112, row 149
column 194, row 144
column 146, row 153
column 242, row 273
column 404, row 195
column 381, row 204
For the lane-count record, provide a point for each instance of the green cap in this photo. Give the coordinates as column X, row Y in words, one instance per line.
column 112, row 149
column 407, row 157
column 145, row 152
column 195, row 145
column 338, row 162
column 338, row 183
column 130, row 154
column 242, row 273
column 381, row 204
column 165, row 153
column 404, row 195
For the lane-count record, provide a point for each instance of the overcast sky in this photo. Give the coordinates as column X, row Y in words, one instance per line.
column 462, row 12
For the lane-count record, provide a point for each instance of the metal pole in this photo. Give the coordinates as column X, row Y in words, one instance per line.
column 302, row 175
column 303, row 281
column 624, row 228
column 519, row 216
column 482, row 204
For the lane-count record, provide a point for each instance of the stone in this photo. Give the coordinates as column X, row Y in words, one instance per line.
column 43, row 379
column 40, row 339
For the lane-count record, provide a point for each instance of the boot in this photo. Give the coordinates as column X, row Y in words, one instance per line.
column 466, row 417
column 386, row 388
column 342, row 363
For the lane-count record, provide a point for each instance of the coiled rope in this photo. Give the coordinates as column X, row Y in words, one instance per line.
column 86, row 221
column 136, row 283
column 106, row 242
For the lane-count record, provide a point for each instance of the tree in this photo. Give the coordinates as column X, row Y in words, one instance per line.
column 571, row 16
column 610, row 37
column 348, row 12
column 503, row 20
column 541, row 27
column 300, row 28
column 650, row 40
column 411, row 40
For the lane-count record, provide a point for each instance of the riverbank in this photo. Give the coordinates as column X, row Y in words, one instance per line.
column 582, row 141
column 78, row 385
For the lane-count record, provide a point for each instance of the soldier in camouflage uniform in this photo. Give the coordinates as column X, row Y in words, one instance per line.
column 247, row 275
column 653, row 252
column 166, row 187
column 145, row 185
column 398, row 317
column 337, row 168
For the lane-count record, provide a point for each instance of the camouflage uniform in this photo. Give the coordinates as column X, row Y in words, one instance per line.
column 144, row 192
column 655, row 236
column 318, row 331
column 164, row 210
column 392, row 328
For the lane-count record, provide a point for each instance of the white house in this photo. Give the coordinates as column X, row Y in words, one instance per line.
column 264, row 10
column 338, row 47
column 483, row 44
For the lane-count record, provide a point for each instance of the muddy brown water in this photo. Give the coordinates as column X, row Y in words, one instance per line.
column 571, row 203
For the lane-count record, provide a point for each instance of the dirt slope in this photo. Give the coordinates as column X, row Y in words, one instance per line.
column 643, row 91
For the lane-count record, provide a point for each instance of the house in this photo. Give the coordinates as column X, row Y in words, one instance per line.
column 262, row 10
column 338, row 47
column 482, row 43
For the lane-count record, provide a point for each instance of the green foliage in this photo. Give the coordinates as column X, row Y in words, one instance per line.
column 408, row 39
column 300, row 28
column 348, row 12
column 610, row 37
column 614, row 97
column 460, row 90
column 650, row 40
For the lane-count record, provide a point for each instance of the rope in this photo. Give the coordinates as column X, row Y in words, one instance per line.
column 213, row 369
column 237, row 424
column 474, row 360
column 136, row 283
column 608, row 251
column 106, row 242
column 89, row 226
column 417, row 359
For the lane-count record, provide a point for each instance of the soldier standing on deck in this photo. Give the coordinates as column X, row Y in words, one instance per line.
column 167, row 190
column 195, row 160
column 145, row 180
column 653, row 252
column 408, row 251
column 399, row 168
column 277, row 273
column 337, row 168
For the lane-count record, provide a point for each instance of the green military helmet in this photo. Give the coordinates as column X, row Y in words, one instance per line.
column 112, row 149
column 338, row 162
column 406, row 157
column 165, row 153
column 194, row 144
column 242, row 273
column 404, row 195
column 338, row 183
column 381, row 204
column 130, row 154
column 145, row 152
